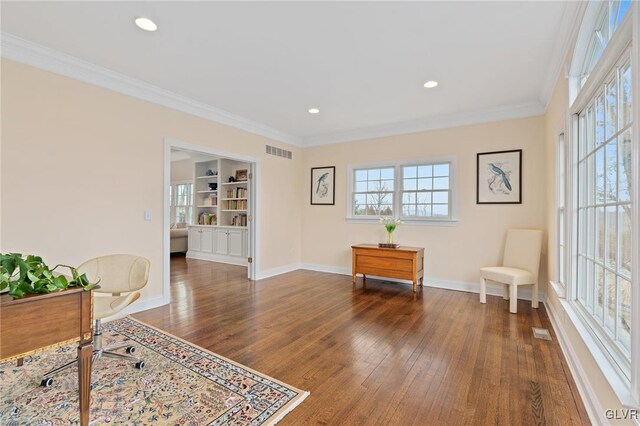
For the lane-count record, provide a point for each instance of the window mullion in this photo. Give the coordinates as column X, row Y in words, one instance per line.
column 397, row 190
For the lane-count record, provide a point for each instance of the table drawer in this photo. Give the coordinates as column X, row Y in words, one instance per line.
column 387, row 273
column 384, row 263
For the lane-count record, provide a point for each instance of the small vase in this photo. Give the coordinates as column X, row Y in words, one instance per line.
column 389, row 237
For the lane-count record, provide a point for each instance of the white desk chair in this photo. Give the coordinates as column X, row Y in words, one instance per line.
column 520, row 265
column 119, row 275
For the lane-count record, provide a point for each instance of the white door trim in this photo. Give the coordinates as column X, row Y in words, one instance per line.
column 254, row 203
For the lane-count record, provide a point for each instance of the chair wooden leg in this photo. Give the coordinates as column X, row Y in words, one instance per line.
column 505, row 291
column 483, row 290
column 513, row 296
column 534, row 296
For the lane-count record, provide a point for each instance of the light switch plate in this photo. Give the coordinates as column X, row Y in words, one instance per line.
column 147, row 215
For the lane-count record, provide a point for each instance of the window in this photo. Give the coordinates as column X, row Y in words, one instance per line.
column 608, row 19
column 604, row 215
column 181, row 201
column 373, row 192
column 560, row 193
column 426, row 191
column 419, row 191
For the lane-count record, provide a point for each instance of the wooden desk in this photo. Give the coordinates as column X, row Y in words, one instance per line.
column 45, row 321
column 405, row 263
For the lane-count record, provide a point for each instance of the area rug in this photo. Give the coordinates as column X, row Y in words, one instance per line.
column 181, row 384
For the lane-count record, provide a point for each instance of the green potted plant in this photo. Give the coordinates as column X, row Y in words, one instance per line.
column 24, row 275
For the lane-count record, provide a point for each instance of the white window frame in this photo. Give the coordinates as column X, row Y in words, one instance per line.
column 397, row 192
column 627, row 36
column 562, row 232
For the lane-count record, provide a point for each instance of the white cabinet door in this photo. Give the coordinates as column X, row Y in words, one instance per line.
column 194, row 239
column 235, row 242
column 206, row 240
column 221, row 241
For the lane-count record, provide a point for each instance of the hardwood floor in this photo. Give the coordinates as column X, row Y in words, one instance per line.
column 376, row 356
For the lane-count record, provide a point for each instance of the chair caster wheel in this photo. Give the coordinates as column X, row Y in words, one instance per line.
column 130, row 350
column 139, row 365
column 46, row 382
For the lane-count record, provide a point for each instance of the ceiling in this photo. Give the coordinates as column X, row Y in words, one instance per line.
column 362, row 64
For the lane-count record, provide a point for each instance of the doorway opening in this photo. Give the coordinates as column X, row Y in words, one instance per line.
column 210, row 202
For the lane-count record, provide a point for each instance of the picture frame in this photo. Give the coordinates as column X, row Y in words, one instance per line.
column 323, row 186
column 499, row 177
column 241, row 175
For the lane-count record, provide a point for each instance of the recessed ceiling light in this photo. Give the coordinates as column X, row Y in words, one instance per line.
column 146, row 24
column 430, row 84
column 313, row 110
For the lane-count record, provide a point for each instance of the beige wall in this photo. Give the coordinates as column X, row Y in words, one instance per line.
column 81, row 163
column 453, row 253
column 181, row 170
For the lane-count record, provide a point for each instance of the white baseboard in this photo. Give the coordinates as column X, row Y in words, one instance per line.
column 137, row 306
column 326, row 268
column 277, row 271
column 586, row 391
column 492, row 289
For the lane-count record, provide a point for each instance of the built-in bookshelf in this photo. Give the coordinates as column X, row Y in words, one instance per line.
column 206, row 192
column 234, row 193
column 221, row 206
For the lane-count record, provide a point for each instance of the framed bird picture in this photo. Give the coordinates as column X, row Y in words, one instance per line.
column 499, row 179
column 323, row 186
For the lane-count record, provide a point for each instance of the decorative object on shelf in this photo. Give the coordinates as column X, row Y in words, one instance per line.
column 29, row 274
column 390, row 224
column 208, row 219
column 213, row 186
column 499, row 177
column 241, row 175
column 323, row 186
column 211, row 173
column 232, row 179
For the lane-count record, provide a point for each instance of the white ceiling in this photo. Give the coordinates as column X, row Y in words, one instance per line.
column 362, row 64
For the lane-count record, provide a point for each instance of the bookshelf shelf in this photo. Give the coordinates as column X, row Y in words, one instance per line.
column 234, row 210
column 244, row 182
column 206, row 177
column 231, row 199
column 207, row 191
column 204, row 206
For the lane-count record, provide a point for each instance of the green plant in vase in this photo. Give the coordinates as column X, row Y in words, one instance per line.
column 390, row 224
column 30, row 275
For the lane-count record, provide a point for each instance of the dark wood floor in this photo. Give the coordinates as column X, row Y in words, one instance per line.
column 376, row 356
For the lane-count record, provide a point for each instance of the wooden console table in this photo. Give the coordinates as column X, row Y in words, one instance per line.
column 44, row 321
column 405, row 263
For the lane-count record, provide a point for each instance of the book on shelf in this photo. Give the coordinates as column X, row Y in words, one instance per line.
column 210, row 200
column 239, row 220
column 236, row 204
column 237, row 193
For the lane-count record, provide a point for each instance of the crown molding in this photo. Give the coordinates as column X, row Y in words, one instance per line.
column 38, row 56
column 431, row 123
column 565, row 38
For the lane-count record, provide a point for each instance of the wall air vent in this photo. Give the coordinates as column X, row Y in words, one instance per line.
column 279, row 152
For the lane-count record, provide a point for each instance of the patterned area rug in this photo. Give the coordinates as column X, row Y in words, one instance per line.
column 181, row 384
